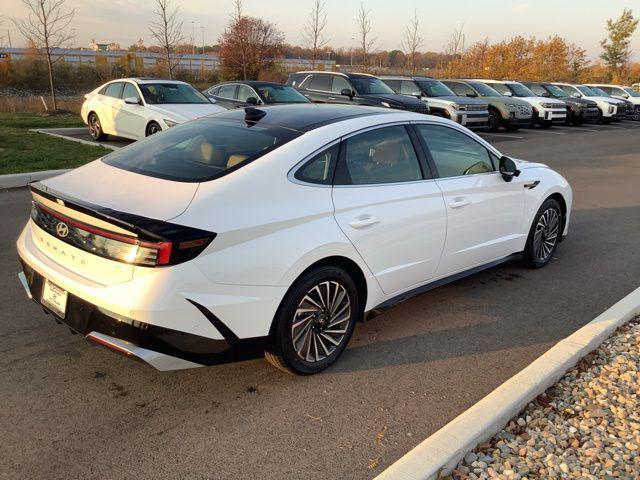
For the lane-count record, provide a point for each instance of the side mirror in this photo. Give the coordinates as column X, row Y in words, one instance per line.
column 252, row 101
column 508, row 169
column 211, row 99
column 576, row 94
column 472, row 95
column 347, row 92
column 132, row 101
column 508, row 93
column 625, row 95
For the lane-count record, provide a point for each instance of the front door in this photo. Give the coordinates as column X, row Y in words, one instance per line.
column 484, row 212
column 390, row 210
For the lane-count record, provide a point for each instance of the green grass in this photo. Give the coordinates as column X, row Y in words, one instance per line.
column 25, row 151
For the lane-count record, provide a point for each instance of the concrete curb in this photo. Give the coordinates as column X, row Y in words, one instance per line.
column 51, row 131
column 446, row 447
column 17, row 180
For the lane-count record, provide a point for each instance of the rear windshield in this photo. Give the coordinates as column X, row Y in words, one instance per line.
column 201, row 150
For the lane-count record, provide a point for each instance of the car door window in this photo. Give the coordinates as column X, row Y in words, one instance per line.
column 460, row 88
column 393, row 84
column 408, row 87
column 339, row 84
column 383, row 155
column 227, row 91
column 454, row 153
column 320, row 83
column 113, row 90
column 320, row 168
column 568, row 90
column 538, row 90
column 130, row 91
column 245, row 92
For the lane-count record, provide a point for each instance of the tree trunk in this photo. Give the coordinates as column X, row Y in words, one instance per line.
column 169, row 64
column 53, row 90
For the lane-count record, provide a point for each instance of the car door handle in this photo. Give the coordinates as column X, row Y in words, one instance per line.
column 459, row 202
column 364, row 221
column 331, row 98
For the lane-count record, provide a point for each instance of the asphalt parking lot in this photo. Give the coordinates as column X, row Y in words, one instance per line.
column 74, row 410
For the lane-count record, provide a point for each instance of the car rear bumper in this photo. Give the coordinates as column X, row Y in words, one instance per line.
column 162, row 348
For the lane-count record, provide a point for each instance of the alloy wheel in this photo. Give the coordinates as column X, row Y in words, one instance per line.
column 321, row 321
column 546, row 233
column 94, row 126
column 153, row 129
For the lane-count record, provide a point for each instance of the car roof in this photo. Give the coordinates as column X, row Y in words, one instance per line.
column 301, row 117
column 145, row 80
column 342, row 74
column 252, row 83
column 406, row 77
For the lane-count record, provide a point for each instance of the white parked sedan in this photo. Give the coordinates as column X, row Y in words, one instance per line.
column 138, row 107
column 274, row 230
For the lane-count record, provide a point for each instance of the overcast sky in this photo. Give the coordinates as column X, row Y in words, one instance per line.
column 580, row 21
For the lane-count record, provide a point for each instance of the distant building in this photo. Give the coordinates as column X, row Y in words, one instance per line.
column 104, row 47
column 141, row 61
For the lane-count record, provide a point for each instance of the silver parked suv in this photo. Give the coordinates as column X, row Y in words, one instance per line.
column 442, row 101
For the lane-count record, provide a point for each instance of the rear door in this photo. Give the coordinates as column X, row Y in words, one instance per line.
column 224, row 95
column 389, row 207
column 484, row 213
column 317, row 88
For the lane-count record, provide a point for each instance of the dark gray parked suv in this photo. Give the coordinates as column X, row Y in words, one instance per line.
column 579, row 110
column 352, row 88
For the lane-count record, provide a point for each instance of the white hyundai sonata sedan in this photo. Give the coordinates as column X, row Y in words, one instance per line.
column 272, row 231
column 135, row 108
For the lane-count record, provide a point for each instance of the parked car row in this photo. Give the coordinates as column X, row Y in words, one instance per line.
column 138, row 107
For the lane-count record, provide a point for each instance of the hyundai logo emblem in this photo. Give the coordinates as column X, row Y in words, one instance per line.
column 62, row 229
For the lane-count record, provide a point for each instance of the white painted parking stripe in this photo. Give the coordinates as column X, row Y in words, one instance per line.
column 583, row 129
column 482, row 134
column 546, row 131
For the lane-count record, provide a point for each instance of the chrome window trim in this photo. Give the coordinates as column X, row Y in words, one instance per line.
column 293, row 170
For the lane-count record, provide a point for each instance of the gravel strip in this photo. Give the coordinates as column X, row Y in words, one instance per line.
column 586, row 426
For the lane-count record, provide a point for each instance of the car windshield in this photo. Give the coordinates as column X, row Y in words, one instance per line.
column 159, row 93
column 281, row 94
column 484, row 90
column 520, row 90
column 586, row 91
column 201, row 150
column 435, row 89
column 367, row 85
column 631, row 92
column 555, row 91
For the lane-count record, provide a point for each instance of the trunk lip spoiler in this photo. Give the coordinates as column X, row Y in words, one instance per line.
column 146, row 228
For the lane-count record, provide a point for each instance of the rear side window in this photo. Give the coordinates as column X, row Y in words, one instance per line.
column 227, row 91
column 320, row 168
column 454, row 153
column 383, row 155
column 201, row 150
column 393, row 84
column 321, row 83
column 538, row 90
column 500, row 88
column 113, row 90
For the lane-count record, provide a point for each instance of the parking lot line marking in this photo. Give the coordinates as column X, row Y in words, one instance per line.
column 583, row 129
column 545, row 131
column 482, row 134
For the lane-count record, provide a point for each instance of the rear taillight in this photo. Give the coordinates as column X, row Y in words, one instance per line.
column 116, row 246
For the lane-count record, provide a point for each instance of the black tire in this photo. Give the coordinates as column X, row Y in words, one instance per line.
column 537, row 254
column 545, row 124
column 512, row 128
column 152, row 129
column 600, row 118
column 284, row 351
column 95, row 127
column 636, row 114
column 494, row 121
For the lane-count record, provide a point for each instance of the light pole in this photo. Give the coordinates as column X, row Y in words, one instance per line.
column 351, row 53
column 193, row 47
column 202, row 30
column 202, row 60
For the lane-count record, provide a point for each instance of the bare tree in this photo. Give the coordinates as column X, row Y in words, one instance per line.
column 313, row 30
column 412, row 41
column 455, row 45
column 167, row 31
column 46, row 29
column 364, row 27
